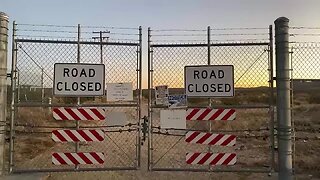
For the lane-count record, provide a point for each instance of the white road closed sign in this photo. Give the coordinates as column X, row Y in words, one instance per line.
column 72, row 79
column 209, row 81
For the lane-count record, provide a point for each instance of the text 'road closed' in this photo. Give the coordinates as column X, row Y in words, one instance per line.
column 209, row 81
column 79, row 79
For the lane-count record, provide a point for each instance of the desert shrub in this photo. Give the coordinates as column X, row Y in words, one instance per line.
column 73, row 100
column 197, row 101
column 258, row 99
column 231, row 101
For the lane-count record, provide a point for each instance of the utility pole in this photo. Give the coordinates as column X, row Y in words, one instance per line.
column 101, row 38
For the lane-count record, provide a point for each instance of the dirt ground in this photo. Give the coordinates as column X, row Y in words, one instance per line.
column 306, row 158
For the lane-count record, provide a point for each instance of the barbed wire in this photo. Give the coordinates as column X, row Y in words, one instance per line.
column 48, row 132
column 121, row 40
column 168, row 35
column 55, row 127
column 263, row 137
column 253, row 28
column 303, row 27
column 306, row 47
column 305, row 34
column 204, row 30
column 46, row 31
column 75, row 26
column 214, row 40
column 235, row 130
column 232, row 40
column 40, row 36
column 110, row 27
column 305, row 42
column 47, row 25
column 124, row 34
column 219, row 34
column 178, row 30
column 239, row 34
column 179, row 40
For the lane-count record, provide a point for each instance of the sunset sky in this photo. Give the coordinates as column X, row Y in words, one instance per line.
column 163, row 14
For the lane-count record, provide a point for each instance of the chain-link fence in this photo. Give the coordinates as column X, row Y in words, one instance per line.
column 37, row 49
column 305, row 54
column 249, row 50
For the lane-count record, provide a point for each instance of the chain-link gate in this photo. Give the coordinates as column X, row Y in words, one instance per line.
column 36, row 49
column 250, row 51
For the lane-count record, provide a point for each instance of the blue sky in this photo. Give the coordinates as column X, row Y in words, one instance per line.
column 163, row 14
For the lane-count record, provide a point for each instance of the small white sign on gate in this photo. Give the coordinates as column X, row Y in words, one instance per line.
column 162, row 94
column 173, row 118
column 119, row 92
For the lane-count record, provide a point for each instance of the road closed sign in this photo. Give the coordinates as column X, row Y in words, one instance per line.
column 209, row 81
column 72, row 79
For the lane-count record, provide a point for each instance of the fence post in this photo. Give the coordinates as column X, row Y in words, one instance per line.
column 149, row 102
column 271, row 103
column 4, row 19
column 77, row 144
column 13, row 109
column 140, row 94
column 283, row 98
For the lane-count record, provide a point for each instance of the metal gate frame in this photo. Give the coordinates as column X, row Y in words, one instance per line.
column 152, row 107
column 15, row 103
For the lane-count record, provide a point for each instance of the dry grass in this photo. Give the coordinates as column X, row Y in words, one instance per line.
column 31, row 149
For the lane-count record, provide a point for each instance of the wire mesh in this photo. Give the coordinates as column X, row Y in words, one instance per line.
column 305, row 104
column 251, row 77
column 33, row 108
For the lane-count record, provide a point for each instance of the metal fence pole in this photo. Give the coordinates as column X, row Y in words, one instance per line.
column 209, row 63
column 209, row 51
column 13, row 95
column 149, row 101
column 42, row 85
column 77, row 145
column 283, row 98
column 140, row 94
column 271, row 103
column 19, row 86
column 4, row 19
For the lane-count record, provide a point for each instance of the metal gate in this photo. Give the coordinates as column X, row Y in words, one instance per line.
column 250, row 51
column 36, row 49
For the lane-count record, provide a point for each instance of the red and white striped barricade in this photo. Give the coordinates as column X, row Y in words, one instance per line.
column 211, row 158
column 208, row 114
column 210, row 138
column 86, row 135
column 208, row 158
column 66, row 113
column 77, row 158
